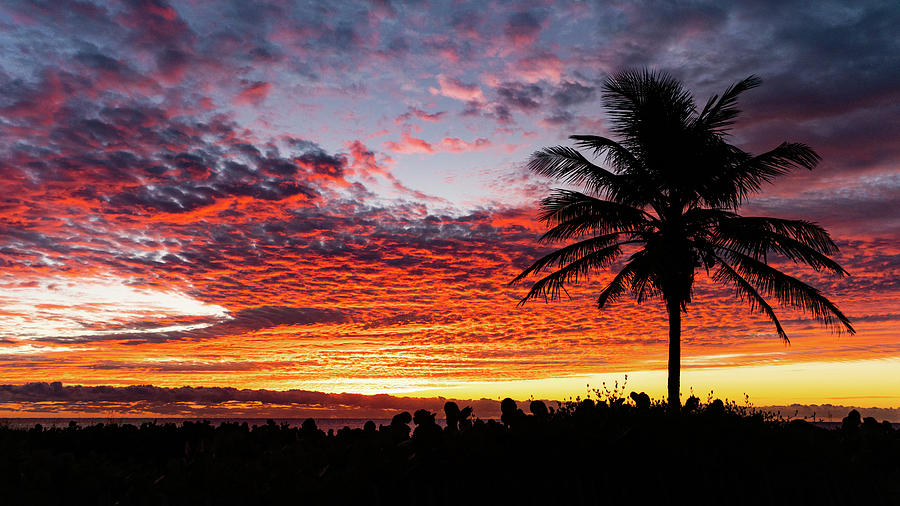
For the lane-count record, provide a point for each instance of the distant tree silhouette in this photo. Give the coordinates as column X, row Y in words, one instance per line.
column 670, row 196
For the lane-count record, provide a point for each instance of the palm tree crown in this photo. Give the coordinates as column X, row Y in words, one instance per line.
column 670, row 193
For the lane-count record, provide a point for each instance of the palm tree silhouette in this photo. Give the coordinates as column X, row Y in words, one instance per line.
column 670, row 197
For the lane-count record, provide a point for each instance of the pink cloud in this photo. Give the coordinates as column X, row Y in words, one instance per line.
column 410, row 145
column 456, row 145
column 363, row 160
column 454, row 88
column 538, row 66
column 253, row 94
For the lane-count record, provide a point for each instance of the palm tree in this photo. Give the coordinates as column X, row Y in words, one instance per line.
column 669, row 197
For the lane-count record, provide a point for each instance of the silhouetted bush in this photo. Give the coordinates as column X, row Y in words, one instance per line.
column 584, row 451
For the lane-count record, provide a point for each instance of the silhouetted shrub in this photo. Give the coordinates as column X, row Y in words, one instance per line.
column 539, row 410
column 641, row 400
column 583, row 452
column 691, row 405
column 852, row 421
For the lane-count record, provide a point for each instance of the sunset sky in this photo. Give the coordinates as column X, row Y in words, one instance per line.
column 331, row 196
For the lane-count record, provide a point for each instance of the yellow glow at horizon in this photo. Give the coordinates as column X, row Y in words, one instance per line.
column 866, row 383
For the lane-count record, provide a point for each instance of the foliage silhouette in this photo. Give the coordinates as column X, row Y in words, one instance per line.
column 584, row 452
column 670, row 196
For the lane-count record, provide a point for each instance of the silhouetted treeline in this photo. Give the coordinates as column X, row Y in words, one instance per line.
column 583, row 452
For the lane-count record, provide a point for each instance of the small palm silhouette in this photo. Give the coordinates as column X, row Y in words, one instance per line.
column 671, row 194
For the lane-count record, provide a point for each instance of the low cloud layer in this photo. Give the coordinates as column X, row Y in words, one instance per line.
column 142, row 400
column 54, row 399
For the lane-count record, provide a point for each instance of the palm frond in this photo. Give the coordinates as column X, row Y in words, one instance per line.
column 623, row 280
column 644, row 286
column 798, row 240
column 605, row 245
column 550, row 286
column 639, row 99
column 744, row 290
column 719, row 112
column 742, row 175
column 807, row 232
column 571, row 214
column 616, row 155
column 787, row 289
column 569, row 165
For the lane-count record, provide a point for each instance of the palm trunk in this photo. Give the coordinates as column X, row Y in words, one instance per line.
column 674, row 357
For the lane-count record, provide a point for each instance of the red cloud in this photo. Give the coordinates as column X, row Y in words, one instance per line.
column 253, row 94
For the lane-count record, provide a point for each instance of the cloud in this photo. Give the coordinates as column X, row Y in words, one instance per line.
column 409, row 145
column 455, row 145
column 454, row 88
column 253, row 94
column 420, row 114
column 520, row 96
column 207, row 401
column 149, row 400
column 572, row 93
column 242, row 322
column 538, row 65
column 522, row 28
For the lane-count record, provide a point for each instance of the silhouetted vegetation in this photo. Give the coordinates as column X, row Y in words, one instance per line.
column 611, row 450
column 668, row 194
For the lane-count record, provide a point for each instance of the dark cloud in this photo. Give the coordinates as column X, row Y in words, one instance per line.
column 420, row 114
column 100, row 61
column 407, row 318
column 520, row 95
column 571, row 93
column 398, row 45
column 559, row 118
column 266, row 54
column 320, row 162
column 341, row 37
column 212, row 401
column 522, row 26
column 466, row 22
column 58, row 397
column 137, row 142
column 271, row 316
column 171, row 61
column 242, row 322
column 180, row 366
column 843, row 210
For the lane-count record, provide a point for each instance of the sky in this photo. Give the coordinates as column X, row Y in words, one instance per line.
column 332, row 196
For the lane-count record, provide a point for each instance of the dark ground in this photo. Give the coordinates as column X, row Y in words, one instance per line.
column 578, row 453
